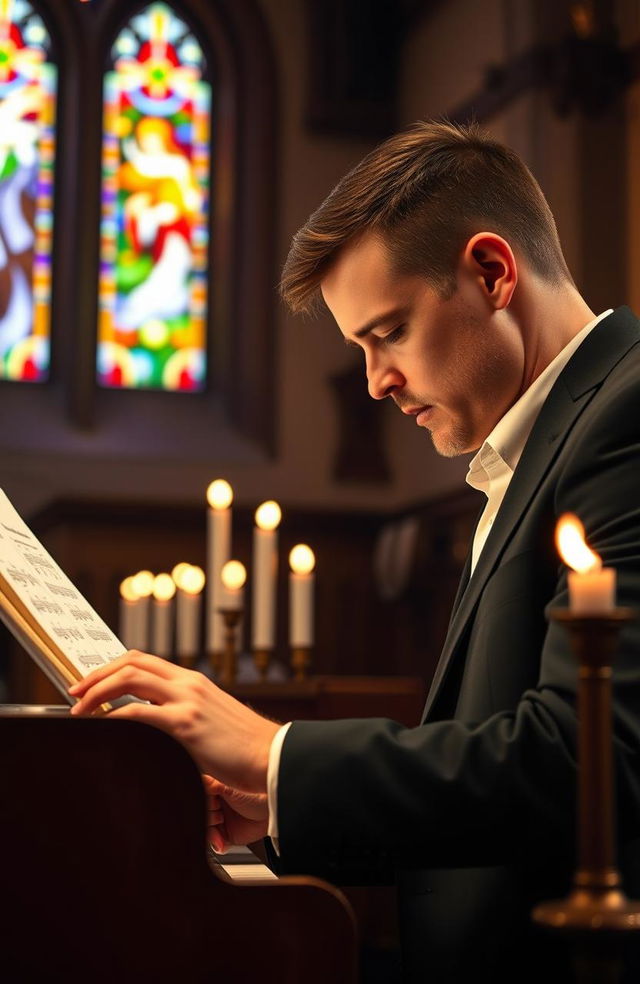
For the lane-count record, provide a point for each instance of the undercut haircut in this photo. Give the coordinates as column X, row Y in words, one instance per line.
column 425, row 192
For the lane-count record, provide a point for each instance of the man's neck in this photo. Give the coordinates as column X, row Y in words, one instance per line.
column 548, row 320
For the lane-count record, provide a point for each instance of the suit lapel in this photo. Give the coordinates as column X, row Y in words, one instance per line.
column 601, row 350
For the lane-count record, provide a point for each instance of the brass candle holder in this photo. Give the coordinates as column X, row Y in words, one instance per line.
column 300, row 662
column 187, row 661
column 262, row 660
column 596, row 902
column 227, row 671
column 216, row 658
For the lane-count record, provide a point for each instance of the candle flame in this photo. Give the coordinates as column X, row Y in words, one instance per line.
column 163, row 587
column 233, row 575
column 268, row 515
column 572, row 546
column 143, row 583
column 192, row 580
column 219, row 494
column 127, row 590
column 302, row 559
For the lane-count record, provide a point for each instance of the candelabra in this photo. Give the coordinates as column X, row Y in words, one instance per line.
column 188, row 661
column 216, row 659
column 231, row 618
column 261, row 661
column 596, row 902
column 300, row 662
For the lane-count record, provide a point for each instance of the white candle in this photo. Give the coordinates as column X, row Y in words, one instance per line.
column 128, row 613
column 164, row 590
column 219, row 497
column 143, row 586
column 592, row 592
column 233, row 576
column 301, row 585
column 592, row 587
column 189, row 606
column 265, row 570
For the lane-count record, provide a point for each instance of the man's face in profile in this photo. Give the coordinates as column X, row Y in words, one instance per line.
column 442, row 361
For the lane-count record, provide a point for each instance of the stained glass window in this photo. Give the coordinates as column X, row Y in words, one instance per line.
column 28, row 81
column 155, row 177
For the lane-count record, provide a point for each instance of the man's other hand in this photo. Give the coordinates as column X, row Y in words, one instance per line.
column 235, row 817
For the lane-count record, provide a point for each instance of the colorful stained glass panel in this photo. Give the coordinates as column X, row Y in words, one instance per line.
column 155, row 177
column 28, row 83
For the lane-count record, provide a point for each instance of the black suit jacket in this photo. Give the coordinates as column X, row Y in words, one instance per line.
column 473, row 812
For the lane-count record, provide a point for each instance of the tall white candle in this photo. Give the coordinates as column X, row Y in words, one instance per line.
column 592, row 587
column 219, row 497
column 301, row 589
column 265, row 571
column 188, row 612
column 164, row 590
column 128, row 613
column 143, row 586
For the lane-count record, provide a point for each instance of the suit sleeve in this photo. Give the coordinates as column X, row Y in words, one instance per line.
column 358, row 798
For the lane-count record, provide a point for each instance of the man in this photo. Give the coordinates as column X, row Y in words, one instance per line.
column 439, row 258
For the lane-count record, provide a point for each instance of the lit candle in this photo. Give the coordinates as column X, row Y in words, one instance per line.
column 128, row 613
column 301, row 581
column 142, row 584
column 265, row 569
column 219, row 497
column 162, row 625
column 592, row 587
column 233, row 576
column 190, row 582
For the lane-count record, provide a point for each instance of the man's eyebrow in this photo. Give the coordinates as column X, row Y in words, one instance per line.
column 381, row 319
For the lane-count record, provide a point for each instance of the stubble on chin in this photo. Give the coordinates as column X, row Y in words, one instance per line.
column 450, row 444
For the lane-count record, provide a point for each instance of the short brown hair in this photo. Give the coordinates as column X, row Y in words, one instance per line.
column 426, row 192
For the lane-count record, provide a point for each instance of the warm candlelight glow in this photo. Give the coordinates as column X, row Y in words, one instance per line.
column 233, row 575
column 163, row 587
column 302, row 559
column 192, row 580
column 268, row 515
column 178, row 573
column 143, row 583
column 219, row 494
column 572, row 546
column 127, row 590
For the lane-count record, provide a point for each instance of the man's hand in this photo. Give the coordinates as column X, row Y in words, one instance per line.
column 224, row 737
column 235, row 817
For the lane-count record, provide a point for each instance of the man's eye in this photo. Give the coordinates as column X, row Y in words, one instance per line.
column 395, row 335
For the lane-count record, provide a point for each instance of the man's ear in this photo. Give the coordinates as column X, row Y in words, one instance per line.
column 489, row 260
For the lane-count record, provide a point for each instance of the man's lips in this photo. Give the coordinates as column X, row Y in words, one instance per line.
column 420, row 413
column 423, row 416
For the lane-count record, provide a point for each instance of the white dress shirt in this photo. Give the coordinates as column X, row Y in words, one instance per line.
column 490, row 471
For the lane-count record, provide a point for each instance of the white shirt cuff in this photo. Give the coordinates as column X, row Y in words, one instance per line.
column 272, row 784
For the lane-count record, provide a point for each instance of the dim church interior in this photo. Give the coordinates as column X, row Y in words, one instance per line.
column 112, row 477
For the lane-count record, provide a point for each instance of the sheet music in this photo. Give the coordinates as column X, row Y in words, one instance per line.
column 51, row 598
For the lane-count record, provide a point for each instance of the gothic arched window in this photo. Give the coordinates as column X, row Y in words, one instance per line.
column 164, row 117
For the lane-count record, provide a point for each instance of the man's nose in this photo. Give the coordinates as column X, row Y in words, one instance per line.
column 383, row 380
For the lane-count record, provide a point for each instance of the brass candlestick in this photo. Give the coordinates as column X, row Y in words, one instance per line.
column 300, row 662
column 596, row 901
column 188, row 661
column 216, row 658
column 231, row 618
column 261, row 660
